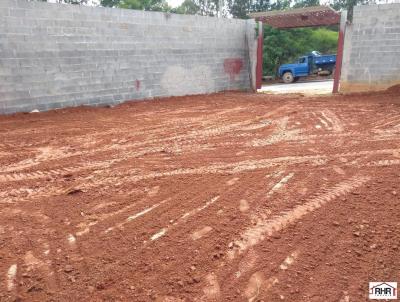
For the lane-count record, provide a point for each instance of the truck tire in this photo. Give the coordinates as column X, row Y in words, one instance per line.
column 288, row 77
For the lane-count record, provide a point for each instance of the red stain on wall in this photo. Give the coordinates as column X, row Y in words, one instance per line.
column 233, row 66
column 137, row 85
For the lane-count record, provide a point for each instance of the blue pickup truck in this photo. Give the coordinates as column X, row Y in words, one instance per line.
column 306, row 65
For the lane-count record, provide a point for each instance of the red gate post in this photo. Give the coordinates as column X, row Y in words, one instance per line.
column 259, row 67
column 339, row 56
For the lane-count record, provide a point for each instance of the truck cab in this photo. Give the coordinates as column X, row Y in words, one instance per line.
column 292, row 72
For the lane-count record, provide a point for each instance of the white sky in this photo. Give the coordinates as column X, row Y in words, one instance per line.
column 174, row 3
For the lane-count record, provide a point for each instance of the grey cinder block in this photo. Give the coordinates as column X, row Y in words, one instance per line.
column 53, row 56
column 372, row 46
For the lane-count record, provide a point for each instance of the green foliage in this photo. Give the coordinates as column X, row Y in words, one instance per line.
column 188, row 7
column 201, row 7
column 77, row 2
column 153, row 5
column 109, row 3
column 241, row 8
column 74, row 1
column 305, row 3
column 265, row 5
column 285, row 46
column 210, row 7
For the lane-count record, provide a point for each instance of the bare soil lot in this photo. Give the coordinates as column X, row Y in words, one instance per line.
column 227, row 197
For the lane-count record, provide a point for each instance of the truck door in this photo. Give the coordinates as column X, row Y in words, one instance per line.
column 302, row 68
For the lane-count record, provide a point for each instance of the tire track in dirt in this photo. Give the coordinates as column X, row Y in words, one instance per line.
column 133, row 217
column 265, row 228
column 387, row 121
column 384, row 163
column 202, row 229
column 92, row 183
column 280, row 184
column 52, row 173
column 334, row 121
column 44, row 154
column 234, row 168
column 280, row 134
column 33, row 270
column 295, row 136
column 141, row 206
column 322, row 121
column 29, row 194
column 191, row 219
column 14, row 177
column 48, row 154
column 34, row 193
column 12, row 277
column 183, row 218
column 98, row 165
column 91, row 220
column 259, row 283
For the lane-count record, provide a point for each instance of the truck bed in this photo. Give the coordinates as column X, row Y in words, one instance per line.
column 325, row 59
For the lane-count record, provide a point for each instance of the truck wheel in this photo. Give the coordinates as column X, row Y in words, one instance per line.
column 288, row 77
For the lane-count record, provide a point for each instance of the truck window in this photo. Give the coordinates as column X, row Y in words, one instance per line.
column 302, row 60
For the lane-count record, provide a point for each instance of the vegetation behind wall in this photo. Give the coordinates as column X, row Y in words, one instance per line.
column 285, row 46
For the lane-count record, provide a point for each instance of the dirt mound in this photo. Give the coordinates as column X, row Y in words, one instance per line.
column 394, row 89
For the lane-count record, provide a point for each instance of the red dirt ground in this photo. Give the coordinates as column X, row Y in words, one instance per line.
column 226, row 197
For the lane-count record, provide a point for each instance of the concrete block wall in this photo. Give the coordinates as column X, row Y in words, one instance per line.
column 371, row 58
column 57, row 55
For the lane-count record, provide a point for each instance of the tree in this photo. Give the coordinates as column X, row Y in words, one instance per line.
column 349, row 5
column 188, row 7
column 242, row 8
column 68, row 1
column 109, row 3
column 285, row 46
column 149, row 5
column 306, row 3
column 267, row 5
column 209, row 7
column 73, row 1
column 239, row 8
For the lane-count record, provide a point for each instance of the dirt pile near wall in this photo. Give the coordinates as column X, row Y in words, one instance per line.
column 394, row 89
